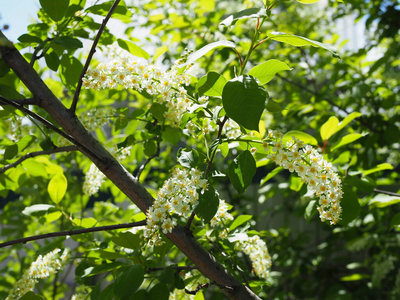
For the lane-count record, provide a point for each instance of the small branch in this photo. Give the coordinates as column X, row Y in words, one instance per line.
column 37, row 153
column 177, row 268
column 386, row 192
column 91, row 53
column 200, row 287
column 44, row 122
column 72, row 232
column 28, row 101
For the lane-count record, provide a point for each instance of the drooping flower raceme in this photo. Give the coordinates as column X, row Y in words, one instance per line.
column 178, row 196
column 43, row 267
column 94, row 178
column 165, row 87
column 313, row 169
column 256, row 249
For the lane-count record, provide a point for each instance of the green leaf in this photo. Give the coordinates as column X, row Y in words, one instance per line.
column 37, row 210
column 211, row 84
column 243, row 94
column 395, row 222
column 150, row 147
column 57, row 187
column 378, row 168
column 167, row 276
column 239, row 221
column 244, row 14
column 271, row 174
column 52, row 60
column 242, row 170
column 305, row 137
column 70, row 72
column 133, row 48
column 347, row 139
column 31, row 296
column 159, row 292
column 10, row 152
column 127, row 239
column 350, row 205
column 311, row 210
column 158, row 110
column 329, row 128
column 266, row 71
column 31, row 39
column 273, row 106
column 307, row 1
column 91, row 271
column 208, row 205
column 160, row 51
column 188, row 158
column 382, row 200
column 128, row 281
column 25, row 142
column 203, row 51
column 348, row 119
column 300, row 41
column 55, row 9
column 68, row 42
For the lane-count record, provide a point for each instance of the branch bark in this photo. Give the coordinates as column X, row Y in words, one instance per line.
column 72, row 232
column 126, row 182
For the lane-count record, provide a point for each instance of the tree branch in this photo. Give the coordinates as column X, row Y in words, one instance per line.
column 72, row 232
column 28, row 101
column 126, row 182
column 91, row 53
column 386, row 192
column 37, row 153
column 177, row 268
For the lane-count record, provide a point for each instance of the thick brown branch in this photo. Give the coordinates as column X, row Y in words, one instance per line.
column 37, row 153
column 72, row 232
column 91, row 53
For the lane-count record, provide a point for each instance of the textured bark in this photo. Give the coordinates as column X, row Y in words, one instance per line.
column 114, row 171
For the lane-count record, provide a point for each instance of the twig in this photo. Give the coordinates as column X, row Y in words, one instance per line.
column 45, row 123
column 202, row 286
column 72, row 232
column 386, row 192
column 177, row 268
column 91, row 53
column 28, row 101
column 37, row 153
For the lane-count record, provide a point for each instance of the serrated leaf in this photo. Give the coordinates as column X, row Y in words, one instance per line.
column 300, row 41
column 244, row 14
column 208, row 205
column 55, row 9
column 266, row 71
column 347, row 139
column 329, row 128
column 382, row 200
column 305, row 137
column 128, row 281
column 133, row 48
column 57, row 187
column 203, row 51
column 211, row 84
column 242, row 170
column 188, row 158
column 243, row 94
column 380, row 167
column 239, row 221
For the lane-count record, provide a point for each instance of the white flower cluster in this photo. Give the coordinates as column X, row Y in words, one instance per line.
column 43, row 267
column 95, row 118
column 257, row 251
column 231, row 129
column 166, row 87
column 221, row 218
column 197, row 280
column 178, row 195
column 94, row 178
column 313, row 169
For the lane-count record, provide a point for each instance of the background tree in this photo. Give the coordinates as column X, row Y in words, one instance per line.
column 53, row 131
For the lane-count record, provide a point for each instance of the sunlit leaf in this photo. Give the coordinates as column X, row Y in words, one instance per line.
column 244, row 14
column 302, row 136
column 382, row 200
column 347, row 139
column 203, row 51
column 329, row 128
column 378, row 168
column 57, row 187
column 266, row 71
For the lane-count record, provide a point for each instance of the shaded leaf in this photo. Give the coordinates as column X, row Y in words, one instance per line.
column 129, row 281
column 242, row 170
column 211, row 84
column 55, row 9
column 208, row 204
